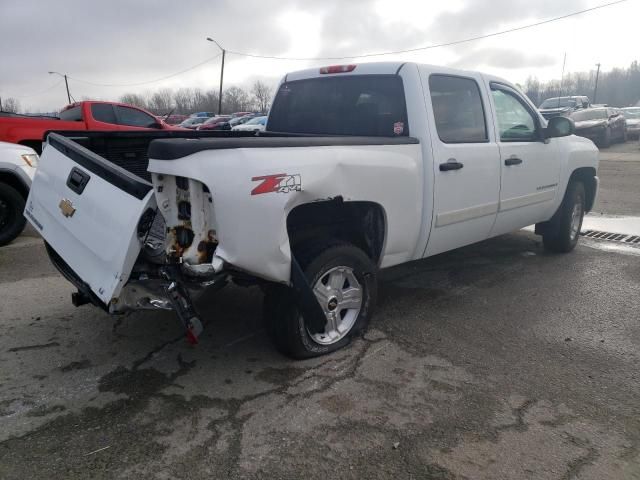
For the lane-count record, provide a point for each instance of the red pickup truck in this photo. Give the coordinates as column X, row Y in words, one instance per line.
column 87, row 115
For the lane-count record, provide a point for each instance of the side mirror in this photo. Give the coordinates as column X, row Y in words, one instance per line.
column 559, row 127
column 585, row 104
column 155, row 125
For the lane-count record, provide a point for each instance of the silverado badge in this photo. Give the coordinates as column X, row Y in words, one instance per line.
column 67, row 208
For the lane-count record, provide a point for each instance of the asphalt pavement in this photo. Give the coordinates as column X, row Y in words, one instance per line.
column 495, row 361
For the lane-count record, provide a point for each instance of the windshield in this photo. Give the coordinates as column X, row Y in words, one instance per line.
column 561, row 102
column 589, row 115
column 371, row 105
column 256, row 121
column 631, row 112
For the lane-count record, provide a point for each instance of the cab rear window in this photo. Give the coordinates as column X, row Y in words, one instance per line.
column 366, row 105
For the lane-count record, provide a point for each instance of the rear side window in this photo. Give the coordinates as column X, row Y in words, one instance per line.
column 103, row 112
column 457, row 109
column 73, row 114
column 367, row 105
column 134, row 118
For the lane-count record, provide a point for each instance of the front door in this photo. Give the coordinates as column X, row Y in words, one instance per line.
column 466, row 161
column 530, row 165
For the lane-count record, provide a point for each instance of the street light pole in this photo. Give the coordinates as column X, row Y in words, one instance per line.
column 221, row 74
column 66, row 83
column 595, row 89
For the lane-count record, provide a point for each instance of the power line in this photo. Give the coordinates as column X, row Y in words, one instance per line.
column 136, row 84
column 447, row 44
column 58, row 83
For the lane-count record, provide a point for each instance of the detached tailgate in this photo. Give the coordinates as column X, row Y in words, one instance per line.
column 88, row 209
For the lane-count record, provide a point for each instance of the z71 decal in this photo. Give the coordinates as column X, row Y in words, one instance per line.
column 279, row 182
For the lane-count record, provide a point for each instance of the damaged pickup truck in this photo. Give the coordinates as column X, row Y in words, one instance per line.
column 362, row 167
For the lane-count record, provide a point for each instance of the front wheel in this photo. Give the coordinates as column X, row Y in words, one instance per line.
column 563, row 230
column 12, row 220
column 343, row 279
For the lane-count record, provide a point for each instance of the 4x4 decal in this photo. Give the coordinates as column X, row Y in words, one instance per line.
column 279, row 182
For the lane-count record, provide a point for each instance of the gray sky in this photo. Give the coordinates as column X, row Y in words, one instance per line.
column 124, row 42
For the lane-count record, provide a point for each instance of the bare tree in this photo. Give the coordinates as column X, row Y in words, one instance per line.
column 235, row 99
column 262, row 94
column 10, row 105
column 134, row 99
column 161, row 101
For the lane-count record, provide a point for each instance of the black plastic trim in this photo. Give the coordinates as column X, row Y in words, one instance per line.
column 116, row 176
column 178, row 148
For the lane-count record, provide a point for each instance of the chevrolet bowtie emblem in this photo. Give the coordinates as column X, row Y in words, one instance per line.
column 67, row 208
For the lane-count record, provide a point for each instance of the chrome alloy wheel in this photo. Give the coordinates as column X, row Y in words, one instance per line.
column 340, row 296
column 576, row 220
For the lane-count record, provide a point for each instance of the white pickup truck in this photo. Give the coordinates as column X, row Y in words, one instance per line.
column 362, row 167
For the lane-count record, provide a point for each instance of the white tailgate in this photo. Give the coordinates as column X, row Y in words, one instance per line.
column 99, row 240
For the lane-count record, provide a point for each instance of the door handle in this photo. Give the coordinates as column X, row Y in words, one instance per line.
column 451, row 164
column 512, row 161
column 77, row 180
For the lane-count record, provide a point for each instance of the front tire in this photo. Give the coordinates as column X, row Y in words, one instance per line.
column 344, row 281
column 562, row 233
column 12, row 220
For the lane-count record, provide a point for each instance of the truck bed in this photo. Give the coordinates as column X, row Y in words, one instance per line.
column 131, row 150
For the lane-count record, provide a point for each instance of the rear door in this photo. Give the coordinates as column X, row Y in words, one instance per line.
column 88, row 211
column 466, row 164
column 530, row 165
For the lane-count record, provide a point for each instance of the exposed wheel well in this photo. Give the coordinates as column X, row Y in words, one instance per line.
column 587, row 176
column 12, row 180
column 359, row 223
column 35, row 144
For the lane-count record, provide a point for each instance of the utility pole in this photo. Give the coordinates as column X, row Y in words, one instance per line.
column 221, row 74
column 66, row 83
column 595, row 89
column 221, row 79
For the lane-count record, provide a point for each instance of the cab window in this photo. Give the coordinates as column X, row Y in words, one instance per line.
column 515, row 121
column 134, row 118
column 73, row 114
column 457, row 109
column 103, row 112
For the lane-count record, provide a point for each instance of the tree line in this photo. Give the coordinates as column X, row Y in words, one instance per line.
column 187, row 100
column 190, row 100
column 619, row 87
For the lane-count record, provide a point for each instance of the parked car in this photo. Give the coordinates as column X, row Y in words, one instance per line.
column 17, row 167
column 240, row 120
column 602, row 125
column 256, row 124
column 240, row 114
column 553, row 107
column 174, row 119
column 87, row 115
column 381, row 164
column 193, row 122
column 632, row 116
column 203, row 114
column 219, row 122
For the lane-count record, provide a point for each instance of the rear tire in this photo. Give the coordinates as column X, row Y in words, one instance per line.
column 12, row 220
column 562, row 233
column 284, row 322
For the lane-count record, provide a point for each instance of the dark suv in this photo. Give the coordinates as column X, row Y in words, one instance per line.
column 565, row 106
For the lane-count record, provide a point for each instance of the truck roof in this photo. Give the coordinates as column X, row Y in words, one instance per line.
column 380, row 68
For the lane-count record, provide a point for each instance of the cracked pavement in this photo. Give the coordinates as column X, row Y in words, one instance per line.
column 495, row 361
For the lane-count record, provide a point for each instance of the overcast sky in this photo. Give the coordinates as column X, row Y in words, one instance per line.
column 125, row 42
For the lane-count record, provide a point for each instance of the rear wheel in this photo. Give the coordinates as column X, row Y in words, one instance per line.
column 563, row 230
column 343, row 279
column 12, row 220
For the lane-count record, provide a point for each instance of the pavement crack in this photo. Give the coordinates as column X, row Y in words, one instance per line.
column 138, row 363
column 34, row 347
column 575, row 466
